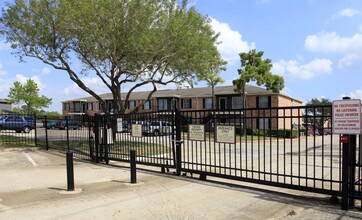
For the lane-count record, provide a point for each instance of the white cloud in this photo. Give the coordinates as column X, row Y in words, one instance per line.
column 93, row 83
column 349, row 60
column 2, row 71
column 360, row 28
column 232, row 43
column 22, row 79
column 348, row 12
column 45, row 71
column 294, row 70
column 331, row 42
column 357, row 94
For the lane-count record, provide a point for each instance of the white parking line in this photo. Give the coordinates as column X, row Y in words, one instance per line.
column 30, row 159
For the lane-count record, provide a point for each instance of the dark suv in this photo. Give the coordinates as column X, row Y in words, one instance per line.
column 72, row 124
column 17, row 123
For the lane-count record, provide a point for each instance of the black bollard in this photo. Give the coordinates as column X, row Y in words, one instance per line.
column 133, row 166
column 70, row 171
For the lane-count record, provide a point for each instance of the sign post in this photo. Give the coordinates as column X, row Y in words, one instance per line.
column 347, row 121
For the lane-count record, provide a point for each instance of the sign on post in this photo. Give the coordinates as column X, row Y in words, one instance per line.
column 225, row 134
column 136, row 130
column 346, row 116
column 119, row 125
column 196, row 132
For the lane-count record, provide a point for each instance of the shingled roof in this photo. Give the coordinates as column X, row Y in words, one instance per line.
column 185, row 93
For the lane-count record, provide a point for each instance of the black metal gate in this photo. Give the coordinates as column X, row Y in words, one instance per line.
column 154, row 146
column 289, row 147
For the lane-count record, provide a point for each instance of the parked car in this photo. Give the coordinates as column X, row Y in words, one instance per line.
column 324, row 131
column 51, row 125
column 72, row 124
column 17, row 123
column 311, row 130
column 157, row 128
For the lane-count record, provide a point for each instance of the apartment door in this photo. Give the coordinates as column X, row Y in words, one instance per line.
column 222, row 103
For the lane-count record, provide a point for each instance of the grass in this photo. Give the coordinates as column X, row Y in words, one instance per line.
column 10, row 141
column 210, row 136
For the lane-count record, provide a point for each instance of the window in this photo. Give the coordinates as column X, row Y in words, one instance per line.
column 264, row 101
column 237, row 102
column 264, row 123
column 90, row 106
column 186, row 103
column 110, row 106
column 147, row 105
column 132, row 104
column 66, row 106
column 162, row 104
column 208, row 103
column 76, row 107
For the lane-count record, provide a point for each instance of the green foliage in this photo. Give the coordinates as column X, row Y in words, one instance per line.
column 138, row 42
column 27, row 95
column 282, row 133
column 319, row 111
column 254, row 68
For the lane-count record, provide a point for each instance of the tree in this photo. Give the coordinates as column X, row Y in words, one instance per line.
column 212, row 78
column 138, row 42
column 254, row 68
column 319, row 111
column 27, row 95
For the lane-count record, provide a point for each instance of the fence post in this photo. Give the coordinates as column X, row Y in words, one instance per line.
column 133, row 166
column 345, row 176
column 178, row 142
column 70, row 171
column 46, row 133
column 96, row 139
column 352, row 167
column 67, row 127
column 36, row 133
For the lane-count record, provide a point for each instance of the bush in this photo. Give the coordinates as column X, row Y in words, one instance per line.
column 284, row 133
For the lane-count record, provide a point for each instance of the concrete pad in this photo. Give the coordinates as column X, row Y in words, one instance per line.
column 28, row 192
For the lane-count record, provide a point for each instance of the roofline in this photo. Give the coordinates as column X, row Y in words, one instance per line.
column 84, row 99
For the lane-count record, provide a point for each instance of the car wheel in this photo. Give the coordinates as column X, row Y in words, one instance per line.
column 0, row 128
column 26, row 129
column 156, row 132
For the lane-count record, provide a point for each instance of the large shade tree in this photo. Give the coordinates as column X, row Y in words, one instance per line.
column 133, row 42
column 255, row 68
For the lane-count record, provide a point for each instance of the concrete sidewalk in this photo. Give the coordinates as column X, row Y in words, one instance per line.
column 29, row 191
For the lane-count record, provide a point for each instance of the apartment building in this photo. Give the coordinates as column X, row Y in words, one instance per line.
column 5, row 106
column 225, row 98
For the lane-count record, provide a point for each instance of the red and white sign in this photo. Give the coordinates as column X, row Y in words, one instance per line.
column 344, row 139
column 347, row 116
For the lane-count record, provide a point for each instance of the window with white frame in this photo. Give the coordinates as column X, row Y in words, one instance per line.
column 162, row 104
column 237, row 102
column 66, row 106
column 132, row 104
column 76, row 107
column 186, row 103
column 264, row 102
column 264, row 123
column 147, row 105
column 90, row 106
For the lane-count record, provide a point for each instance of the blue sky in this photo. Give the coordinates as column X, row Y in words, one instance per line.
column 316, row 45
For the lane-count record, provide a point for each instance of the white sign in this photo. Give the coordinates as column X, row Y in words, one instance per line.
column 119, row 125
column 225, row 134
column 346, row 116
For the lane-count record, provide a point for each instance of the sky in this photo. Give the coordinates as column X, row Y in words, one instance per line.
column 316, row 45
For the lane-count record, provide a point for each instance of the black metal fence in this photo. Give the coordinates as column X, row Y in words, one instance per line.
column 17, row 129
column 290, row 147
